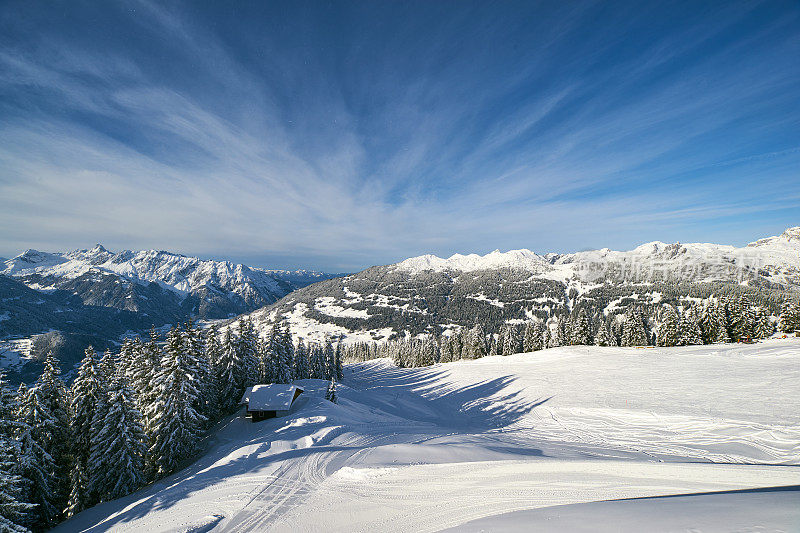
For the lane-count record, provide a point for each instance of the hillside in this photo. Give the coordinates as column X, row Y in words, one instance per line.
column 428, row 294
column 564, row 436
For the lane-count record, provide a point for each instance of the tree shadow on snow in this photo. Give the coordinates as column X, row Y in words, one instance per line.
column 424, row 397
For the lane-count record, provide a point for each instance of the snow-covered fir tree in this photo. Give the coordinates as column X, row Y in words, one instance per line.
column 547, row 337
column 739, row 321
column 668, row 333
column 633, row 330
column 14, row 509
column 86, row 393
column 301, row 368
column 230, row 374
column 474, row 345
column 511, row 342
column 330, row 358
column 581, row 329
column 330, row 394
column 247, row 348
column 604, row 336
column 194, row 344
column 764, row 327
column 120, row 444
column 556, row 336
column 145, row 363
column 44, row 453
column 532, row 336
column 690, row 333
column 280, row 349
column 213, row 356
column 445, row 350
column 317, row 362
column 177, row 425
column 789, row 320
column 339, row 368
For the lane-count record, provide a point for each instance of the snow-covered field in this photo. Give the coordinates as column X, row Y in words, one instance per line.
column 577, row 438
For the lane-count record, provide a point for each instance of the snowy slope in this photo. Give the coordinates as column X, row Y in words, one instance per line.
column 446, row 446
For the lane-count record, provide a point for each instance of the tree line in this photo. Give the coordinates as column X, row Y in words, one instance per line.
column 132, row 417
column 712, row 320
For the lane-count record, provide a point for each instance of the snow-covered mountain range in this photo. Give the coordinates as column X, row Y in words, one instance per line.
column 174, row 272
column 773, row 260
column 429, row 293
column 93, row 296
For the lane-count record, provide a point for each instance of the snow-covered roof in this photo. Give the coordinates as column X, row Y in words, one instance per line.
column 272, row 397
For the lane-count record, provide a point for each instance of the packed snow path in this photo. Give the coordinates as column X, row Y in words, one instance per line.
column 504, row 441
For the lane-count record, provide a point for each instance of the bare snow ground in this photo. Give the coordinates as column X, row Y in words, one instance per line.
column 506, row 443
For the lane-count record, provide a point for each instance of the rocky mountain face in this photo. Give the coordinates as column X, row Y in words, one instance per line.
column 101, row 295
column 432, row 294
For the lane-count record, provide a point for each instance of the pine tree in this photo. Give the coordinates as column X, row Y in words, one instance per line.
column 194, row 345
column 120, row 444
column 288, row 346
column 738, row 319
column 176, row 423
column 44, row 444
column 764, row 327
column 668, row 327
column 501, row 340
column 529, row 337
column 230, row 375
column 339, row 368
column 556, row 338
column 247, row 349
column 279, row 356
column 581, row 329
column 213, row 356
column 633, row 331
column 14, row 510
column 330, row 362
column 789, row 321
column 301, row 368
column 712, row 322
column 690, row 333
column 107, row 365
column 547, row 337
column 511, row 344
column 456, row 346
column 126, row 353
column 604, row 337
column 445, row 350
column 317, row 360
column 87, row 392
column 146, row 361
column 330, row 394
column 475, row 343
column 427, row 352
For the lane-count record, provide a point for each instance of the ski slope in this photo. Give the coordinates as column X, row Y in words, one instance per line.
column 576, row 438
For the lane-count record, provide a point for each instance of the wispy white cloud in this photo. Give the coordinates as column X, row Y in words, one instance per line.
column 315, row 154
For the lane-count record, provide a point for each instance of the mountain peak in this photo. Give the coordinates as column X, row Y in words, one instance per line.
column 792, row 234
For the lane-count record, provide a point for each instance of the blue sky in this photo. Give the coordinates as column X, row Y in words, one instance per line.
column 338, row 135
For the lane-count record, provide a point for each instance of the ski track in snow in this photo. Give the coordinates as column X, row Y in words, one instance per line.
column 439, row 447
